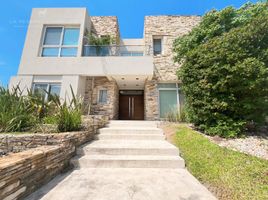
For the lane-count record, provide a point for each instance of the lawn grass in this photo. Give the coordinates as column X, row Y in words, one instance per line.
column 229, row 174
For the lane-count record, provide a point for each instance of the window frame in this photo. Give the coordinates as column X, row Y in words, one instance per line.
column 48, row 88
column 99, row 92
column 177, row 89
column 161, row 39
column 61, row 45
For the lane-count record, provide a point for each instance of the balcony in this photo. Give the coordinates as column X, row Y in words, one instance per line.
column 115, row 50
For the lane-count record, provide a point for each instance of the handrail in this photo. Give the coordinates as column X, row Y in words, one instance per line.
column 116, row 50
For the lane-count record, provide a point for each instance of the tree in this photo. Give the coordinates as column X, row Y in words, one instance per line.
column 225, row 69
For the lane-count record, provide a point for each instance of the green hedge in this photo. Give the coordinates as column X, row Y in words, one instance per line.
column 225, row 69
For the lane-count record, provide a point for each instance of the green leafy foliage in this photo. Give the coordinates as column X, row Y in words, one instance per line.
column 225, row 69
column 99, row 41
column 176, row 115
column 20, row 113
column 16, row 112
column 68, row 117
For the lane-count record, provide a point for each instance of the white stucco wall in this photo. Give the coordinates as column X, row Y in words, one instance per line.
column 72, row 70
column 76, row 82
column 88, row 66
column 49, row 16
column 24, row 82
column 33, row 64
column 132, row 41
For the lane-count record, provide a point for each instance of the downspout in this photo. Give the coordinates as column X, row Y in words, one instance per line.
column 91, row 98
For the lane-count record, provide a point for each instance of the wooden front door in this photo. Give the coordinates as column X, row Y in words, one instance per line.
column 131, row 107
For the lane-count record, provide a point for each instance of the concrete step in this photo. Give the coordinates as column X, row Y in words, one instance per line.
column 131, row 130
column 126, row 161
column 125, row 136
column 135, row 123
column 129, row 147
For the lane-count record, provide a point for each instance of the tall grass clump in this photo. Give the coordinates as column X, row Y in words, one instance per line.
column 176, row 115
column 69, row 115
column 19, row 113
column 16, row 112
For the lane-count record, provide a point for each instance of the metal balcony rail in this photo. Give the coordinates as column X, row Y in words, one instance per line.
column 114, row 50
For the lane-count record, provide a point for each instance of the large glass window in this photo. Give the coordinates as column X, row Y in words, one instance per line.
column 46, row 89
column 71, row 36
column 53, row 36
column 170, row 99
column 60, row 42
column 168, row 102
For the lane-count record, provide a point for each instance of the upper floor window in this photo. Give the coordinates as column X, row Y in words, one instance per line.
column 157, row 45
column 60, row 42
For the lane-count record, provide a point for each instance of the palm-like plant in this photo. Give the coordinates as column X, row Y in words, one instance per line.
column 16, row 113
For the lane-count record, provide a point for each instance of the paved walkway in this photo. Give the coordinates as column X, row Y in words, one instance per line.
column 131, row 160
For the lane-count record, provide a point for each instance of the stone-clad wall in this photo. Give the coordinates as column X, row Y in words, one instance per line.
column 106, row 25
column 151, row 100
column 168, row 28
column 93, row 85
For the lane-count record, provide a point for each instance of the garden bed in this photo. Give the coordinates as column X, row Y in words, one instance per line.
column 21, row 141
column 228, row 174
column 31, row 160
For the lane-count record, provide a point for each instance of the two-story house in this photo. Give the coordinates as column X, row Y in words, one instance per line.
column 128, row 79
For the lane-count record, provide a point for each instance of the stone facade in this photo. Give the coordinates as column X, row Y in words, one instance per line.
column 168, row 28
column 151, row 100
column 93, row 86
column 106, row 25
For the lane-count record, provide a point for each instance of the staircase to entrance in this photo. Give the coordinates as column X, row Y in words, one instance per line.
column 129, row 144
column 129, row 160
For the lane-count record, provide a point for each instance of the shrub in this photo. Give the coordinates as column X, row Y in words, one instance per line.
column 69, row 119
column 16, row 113
column 225, row 69
column 26, row 112
column 69, row 115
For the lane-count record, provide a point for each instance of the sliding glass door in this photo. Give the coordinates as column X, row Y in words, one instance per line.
column 169, row 99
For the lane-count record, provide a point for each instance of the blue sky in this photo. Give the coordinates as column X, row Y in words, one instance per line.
column 15, row 15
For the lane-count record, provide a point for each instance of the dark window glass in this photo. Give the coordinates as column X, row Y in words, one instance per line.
column 157, row 43
column 103, row 96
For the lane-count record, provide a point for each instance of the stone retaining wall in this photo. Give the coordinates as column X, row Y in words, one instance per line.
column 21, row 142
column 22, row 173
column 42, row 157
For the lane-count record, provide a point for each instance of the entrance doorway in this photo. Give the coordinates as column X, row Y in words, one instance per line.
column 131, row 105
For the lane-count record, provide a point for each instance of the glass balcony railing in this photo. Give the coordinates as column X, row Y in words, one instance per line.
column 114, row 50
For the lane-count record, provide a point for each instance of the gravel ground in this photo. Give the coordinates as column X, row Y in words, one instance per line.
column 256, row 145
column 253, row 145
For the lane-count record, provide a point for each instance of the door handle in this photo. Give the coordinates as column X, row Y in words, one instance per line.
column 133, row 107
column 129, row 107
